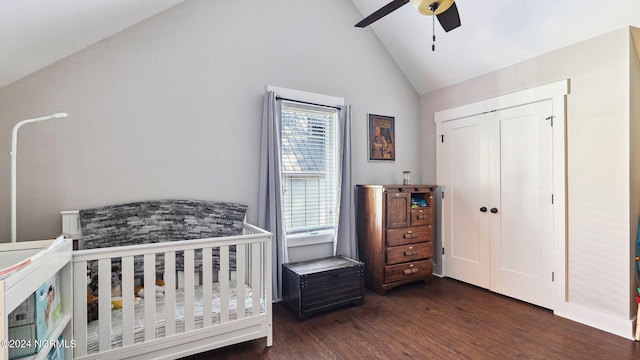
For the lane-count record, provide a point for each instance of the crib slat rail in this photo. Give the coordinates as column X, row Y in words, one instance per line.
column 224, row 285
column 104, row 307
column 180, row 321
column 241, row 274
column 79, row 298
column 207, row 282
column 149, row 296
column 170, row 293
column 189, row 287
column 127, row 301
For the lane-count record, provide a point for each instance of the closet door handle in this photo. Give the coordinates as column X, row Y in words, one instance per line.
column 494, row 210
column 483, row 209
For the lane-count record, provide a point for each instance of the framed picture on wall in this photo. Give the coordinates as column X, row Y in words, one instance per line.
column 382, row 138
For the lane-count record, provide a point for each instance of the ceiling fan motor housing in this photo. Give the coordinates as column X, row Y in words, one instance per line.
column 426, row 7
column 445, row 10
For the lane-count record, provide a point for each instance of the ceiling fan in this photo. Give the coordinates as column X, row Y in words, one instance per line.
column 445, row 10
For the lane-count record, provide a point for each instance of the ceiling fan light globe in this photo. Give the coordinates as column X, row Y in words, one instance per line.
column 424, row 6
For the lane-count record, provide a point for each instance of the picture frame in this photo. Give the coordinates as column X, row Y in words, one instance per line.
column 381, row 138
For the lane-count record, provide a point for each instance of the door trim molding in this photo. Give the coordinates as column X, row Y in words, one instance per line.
column 551, row 91
column 556, row 92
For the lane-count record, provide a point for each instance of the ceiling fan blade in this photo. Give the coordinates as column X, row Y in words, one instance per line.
column 382, row 12
column 449, row 19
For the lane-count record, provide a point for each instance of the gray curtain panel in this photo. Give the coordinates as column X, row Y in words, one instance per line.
column 346, row 243
column 270, row 202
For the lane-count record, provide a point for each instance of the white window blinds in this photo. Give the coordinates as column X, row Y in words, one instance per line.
column 309, row 153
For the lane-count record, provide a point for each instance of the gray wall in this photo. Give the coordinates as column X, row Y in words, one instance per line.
column 171, row 108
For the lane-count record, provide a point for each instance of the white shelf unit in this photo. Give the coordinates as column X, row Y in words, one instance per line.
column 21, row 284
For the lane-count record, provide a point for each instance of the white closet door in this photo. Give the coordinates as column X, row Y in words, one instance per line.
column 497, row 211
column 466, row 229
column 521, row 192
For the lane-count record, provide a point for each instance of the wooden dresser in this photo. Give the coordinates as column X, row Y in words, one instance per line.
column 395, row 233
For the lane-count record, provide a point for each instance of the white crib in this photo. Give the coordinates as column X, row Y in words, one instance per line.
column 200, row 315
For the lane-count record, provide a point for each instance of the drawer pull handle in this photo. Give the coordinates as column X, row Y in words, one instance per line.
column 410, row 271
column 421, row 217
column 409, row 235
column 409, row 253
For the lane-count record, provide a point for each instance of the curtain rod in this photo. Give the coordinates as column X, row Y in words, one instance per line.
column 308, row 103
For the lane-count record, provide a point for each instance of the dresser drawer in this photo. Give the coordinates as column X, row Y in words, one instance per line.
column 421, row 216
column 405, row 253
column 408, row 271
column 408, row 235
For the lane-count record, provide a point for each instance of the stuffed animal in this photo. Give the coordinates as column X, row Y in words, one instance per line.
column 92, row 291
column 159, row 289
column 116, row 286
column 116, row 302
column 116, row 289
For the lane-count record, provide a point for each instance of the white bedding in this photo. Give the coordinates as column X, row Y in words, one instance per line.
column 116, row 316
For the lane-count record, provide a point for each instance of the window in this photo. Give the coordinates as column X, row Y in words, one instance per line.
column 309, row 167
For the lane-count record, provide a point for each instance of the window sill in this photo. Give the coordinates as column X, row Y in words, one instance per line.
column 310, row 238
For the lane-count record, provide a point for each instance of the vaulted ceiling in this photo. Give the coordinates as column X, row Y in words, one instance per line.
column 37, row 33
column 494, row 33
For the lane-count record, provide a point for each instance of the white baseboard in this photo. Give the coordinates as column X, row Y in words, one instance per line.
column 599, row 320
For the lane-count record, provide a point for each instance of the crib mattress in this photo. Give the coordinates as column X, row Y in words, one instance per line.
column 116, row 316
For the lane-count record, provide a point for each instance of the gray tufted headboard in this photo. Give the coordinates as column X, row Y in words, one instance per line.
column 156, row 221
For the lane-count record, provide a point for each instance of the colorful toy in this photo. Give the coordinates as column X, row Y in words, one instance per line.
column 159, row 289
column 637, row 337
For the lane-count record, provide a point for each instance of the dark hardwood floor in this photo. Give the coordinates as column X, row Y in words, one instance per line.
column 442, row 319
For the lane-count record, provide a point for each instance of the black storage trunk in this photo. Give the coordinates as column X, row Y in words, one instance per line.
column 317, row 285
